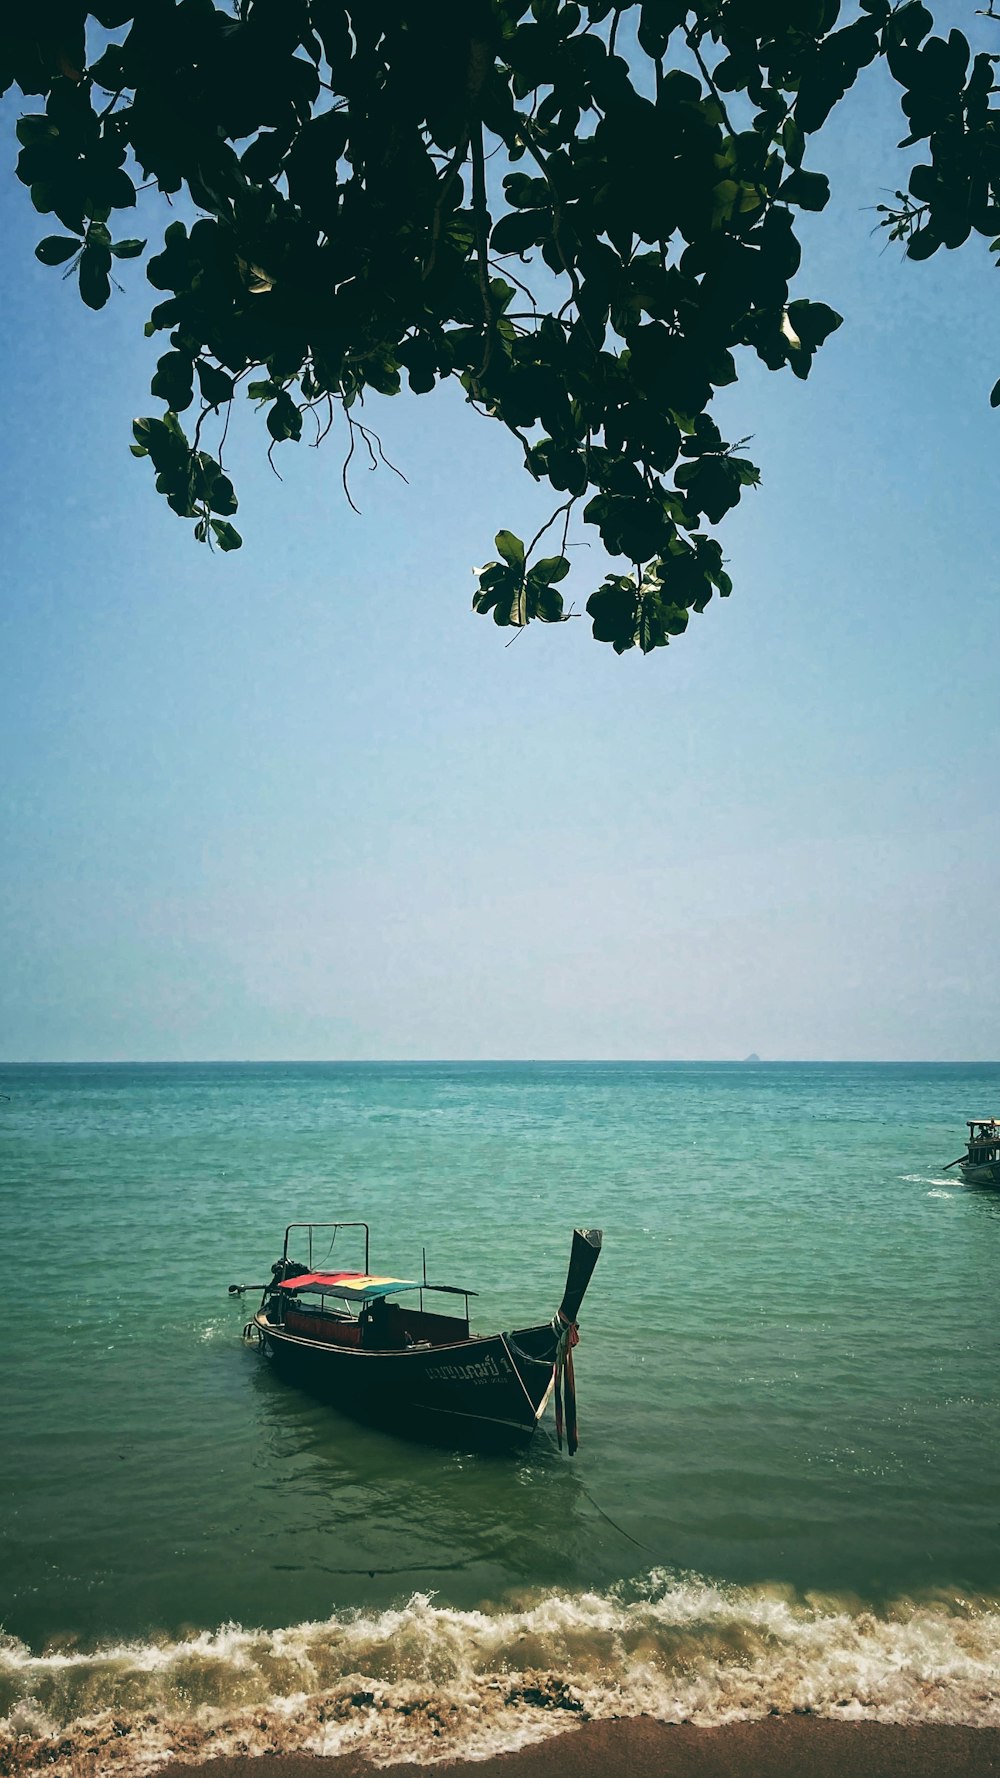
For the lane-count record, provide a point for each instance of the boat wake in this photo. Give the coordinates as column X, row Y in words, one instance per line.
column 423, row 1682
column 954, row 1185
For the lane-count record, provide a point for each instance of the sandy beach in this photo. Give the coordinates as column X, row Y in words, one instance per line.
column 785, row 1747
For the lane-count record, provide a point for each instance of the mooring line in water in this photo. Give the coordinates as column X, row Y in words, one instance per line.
column 407, row 1568
column 619, row 1528
column 614, row 1522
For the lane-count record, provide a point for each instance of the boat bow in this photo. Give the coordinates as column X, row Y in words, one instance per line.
column 584, row 1255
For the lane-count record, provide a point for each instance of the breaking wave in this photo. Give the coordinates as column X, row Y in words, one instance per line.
column 424, row 1682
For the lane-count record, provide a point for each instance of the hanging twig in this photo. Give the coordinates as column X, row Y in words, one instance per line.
column 329, row 422
column 369, row 433
column 347, row 464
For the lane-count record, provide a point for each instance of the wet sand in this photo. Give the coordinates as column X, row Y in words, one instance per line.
column 785, row 1747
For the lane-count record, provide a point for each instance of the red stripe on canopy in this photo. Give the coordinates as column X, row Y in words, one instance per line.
column 329, row 1278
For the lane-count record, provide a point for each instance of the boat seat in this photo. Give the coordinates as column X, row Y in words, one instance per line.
column 386, row 1332
column 318, row 1327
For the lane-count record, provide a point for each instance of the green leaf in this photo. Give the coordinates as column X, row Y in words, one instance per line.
column 120, row 192
column 109, row 71
column 749, row 474
column 174, row 381
column 218, row 489
column 614, row 609
column 494, row 574
column 925, row 242
column 511, row 548
column 503, row 591
column 813, row 322
column 35, row 128
column 810, row 191
column 127, row 249
column 164, row 441
column 568, row 471
column 995, row 395
column 547, row 605
column 712, row 484
column 144, row 430
column 283, row 419
column 793, row 142
column 216, row 385
column 525, row 192
column 520, row 230
column 226, row 535
column 725, row 196
column 95, row 283
column 56, row 249
column 548, row 571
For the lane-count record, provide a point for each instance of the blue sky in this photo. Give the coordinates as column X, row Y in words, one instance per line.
column 299, row 802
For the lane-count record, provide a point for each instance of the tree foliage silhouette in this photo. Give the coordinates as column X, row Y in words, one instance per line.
column 580, row 211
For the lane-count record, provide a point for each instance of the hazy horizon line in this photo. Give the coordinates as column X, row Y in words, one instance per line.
column 752, row 1060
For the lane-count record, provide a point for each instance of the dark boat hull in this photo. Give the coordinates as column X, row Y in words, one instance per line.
column 488, row 1390
column 980, row 1173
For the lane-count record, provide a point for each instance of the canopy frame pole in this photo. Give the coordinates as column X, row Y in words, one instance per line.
column 325, row 1225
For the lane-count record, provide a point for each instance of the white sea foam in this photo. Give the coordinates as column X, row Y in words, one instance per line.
column 426, row 1682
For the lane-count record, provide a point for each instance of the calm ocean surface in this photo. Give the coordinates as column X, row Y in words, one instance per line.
column 787, row 1491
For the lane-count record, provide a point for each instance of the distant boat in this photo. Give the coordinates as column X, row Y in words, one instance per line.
column 980, row 1165
column 418, row 1371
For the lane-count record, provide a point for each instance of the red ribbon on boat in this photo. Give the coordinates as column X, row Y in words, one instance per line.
column 567, row 1336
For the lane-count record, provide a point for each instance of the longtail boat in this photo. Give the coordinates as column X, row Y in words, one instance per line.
column 980, row 1164
column 418, row 1370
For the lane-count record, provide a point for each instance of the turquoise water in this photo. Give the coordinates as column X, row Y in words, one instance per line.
column 788, row 1382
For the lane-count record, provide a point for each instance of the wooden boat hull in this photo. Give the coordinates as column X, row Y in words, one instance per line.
column 422, row 1374
column 987, row 1173
column 487, row 1390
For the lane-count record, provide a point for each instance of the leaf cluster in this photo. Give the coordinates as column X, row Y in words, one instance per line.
column 494, row 191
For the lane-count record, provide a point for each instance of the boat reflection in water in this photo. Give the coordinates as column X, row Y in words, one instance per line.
column 418, row 1370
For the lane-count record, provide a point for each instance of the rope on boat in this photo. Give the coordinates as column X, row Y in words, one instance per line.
column 525, row 1357
column 567, row 1336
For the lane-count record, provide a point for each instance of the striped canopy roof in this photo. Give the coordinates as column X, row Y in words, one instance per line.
column 354, row 1287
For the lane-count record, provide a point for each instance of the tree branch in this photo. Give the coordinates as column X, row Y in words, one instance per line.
column 444, row 187
column 526, row 131
column 482, row 220
column 693, row 41
column 567, row 508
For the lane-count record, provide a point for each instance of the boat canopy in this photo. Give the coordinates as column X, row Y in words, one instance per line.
column 353, row 1287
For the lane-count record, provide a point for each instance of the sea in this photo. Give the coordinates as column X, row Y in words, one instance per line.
column 786, row 1496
